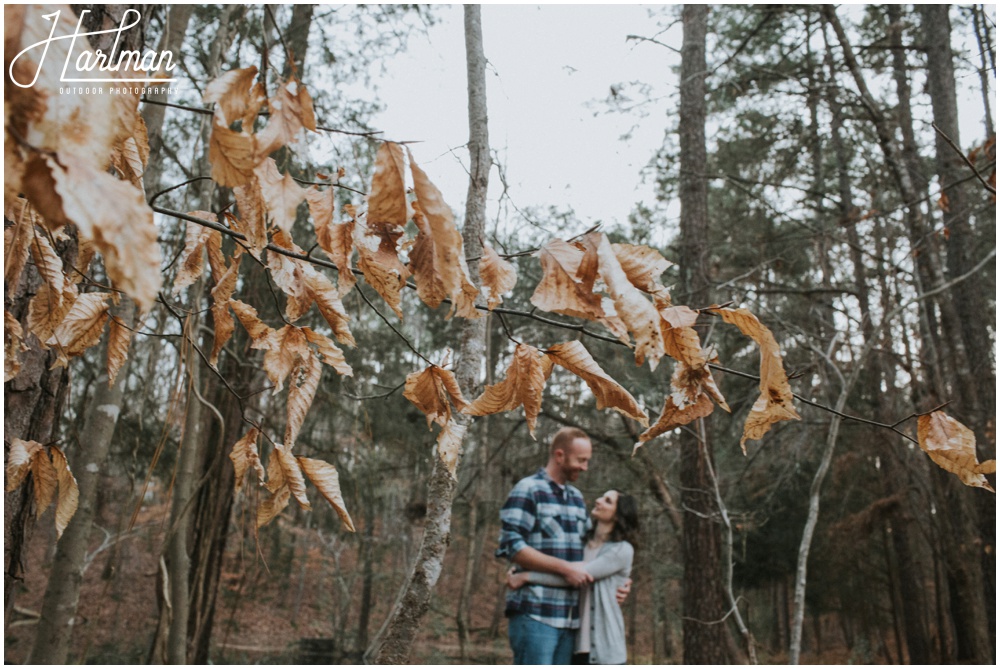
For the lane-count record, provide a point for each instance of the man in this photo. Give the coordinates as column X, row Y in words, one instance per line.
column 542, row 527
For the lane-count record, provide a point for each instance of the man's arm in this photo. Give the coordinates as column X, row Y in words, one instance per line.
column 531, row 559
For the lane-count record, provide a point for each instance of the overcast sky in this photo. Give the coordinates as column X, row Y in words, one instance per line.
column 549, row 68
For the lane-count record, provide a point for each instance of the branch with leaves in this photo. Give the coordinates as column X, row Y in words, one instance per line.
column 586, row 278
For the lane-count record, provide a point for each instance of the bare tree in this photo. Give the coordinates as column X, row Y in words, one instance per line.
column 396, row 638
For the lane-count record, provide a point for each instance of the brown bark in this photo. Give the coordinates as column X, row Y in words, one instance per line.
column 972, row 307
column 33, row 401
column 706, row 637
column 62, row 592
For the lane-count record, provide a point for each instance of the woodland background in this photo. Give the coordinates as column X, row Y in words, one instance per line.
column 813, row 190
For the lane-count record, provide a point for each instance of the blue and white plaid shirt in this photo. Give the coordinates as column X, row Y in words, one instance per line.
column 552, row 519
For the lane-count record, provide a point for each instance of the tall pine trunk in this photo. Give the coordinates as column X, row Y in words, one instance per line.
column 973, row 306
column 973, row 310
column 706, row 636
column 394, row 643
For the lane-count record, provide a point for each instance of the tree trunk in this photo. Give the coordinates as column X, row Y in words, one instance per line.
column 62, row 593
column 33, row 401
column 706, row 637
column 174, row 30
column 973, row 306
column 394, row 644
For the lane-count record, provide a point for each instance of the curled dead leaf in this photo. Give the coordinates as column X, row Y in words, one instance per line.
column 449, row 445
column 301, row 392
column 498, row 276
column 245, row 457
column 69, row 492
column 673, row 417
column 522, row 386
column 775, row 401
column 387, row 196
column 577, row 359
column 326, row 479
column 119, row 338
column 433, row 391
column 952, row 447
column 81, row 328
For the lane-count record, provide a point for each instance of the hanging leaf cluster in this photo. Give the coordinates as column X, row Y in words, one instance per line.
column 77, row 163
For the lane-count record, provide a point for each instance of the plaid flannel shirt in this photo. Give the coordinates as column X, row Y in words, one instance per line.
column 552, row 519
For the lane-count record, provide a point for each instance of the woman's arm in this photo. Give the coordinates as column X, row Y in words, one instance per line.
column 608, row 563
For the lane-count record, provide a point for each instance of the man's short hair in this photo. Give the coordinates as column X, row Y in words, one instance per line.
column 564, row 437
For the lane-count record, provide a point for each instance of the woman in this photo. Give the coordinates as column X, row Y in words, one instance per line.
column 607, row 556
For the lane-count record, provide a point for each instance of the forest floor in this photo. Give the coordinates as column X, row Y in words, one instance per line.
column 304, row 611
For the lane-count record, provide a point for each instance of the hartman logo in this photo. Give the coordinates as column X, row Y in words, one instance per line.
column 88, row 61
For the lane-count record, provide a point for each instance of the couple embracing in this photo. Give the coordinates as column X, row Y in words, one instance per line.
column 571, row 569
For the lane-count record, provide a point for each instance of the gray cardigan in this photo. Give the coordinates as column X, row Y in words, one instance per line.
column 610, row 569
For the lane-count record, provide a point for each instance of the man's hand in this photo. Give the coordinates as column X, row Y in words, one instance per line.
column 621, row 594
column 516, row 580
column 575, row 574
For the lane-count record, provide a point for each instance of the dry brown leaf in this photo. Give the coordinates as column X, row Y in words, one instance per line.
column 191, row 262
column 672, row 417
column 335, row 239
column 523, row 386
column 304, row 285
column 47, row 310
column 387, row 197
column 245, row 456
column 69, row 492
column 323, row 292
column 563, row 289
column 301, row 392
column 13, row 346
column 291, row 474
column 231, row 90
column 775, row 401
column 45, row 480
column 272, row 503
column 81, row 328
column 222, row 319
column 324, row 476
column 282, row 195
column 232, row 154
column 680, row 339
column 17, row 240
column 119, row 338
column 285, row 349
column 577, row 359
column 47, row 262
column 289, row 275
column 290, row 111
column 438, row 258
column 378, row 260
column 251, row 222
column 19, row 459
column 328, row 352
column 260, row 333
column 633, row 308
column 449, row 445
column 952, row 447
column 642, row 265
column 498, row 276
column 433, row 391
column 115, row 216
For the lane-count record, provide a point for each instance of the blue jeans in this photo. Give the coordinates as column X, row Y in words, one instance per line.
column 537, row 643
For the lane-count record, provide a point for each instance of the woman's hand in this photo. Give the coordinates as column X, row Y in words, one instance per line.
column 517, row 580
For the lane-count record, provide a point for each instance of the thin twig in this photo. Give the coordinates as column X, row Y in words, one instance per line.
column 968, row 162
column 393, row 327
